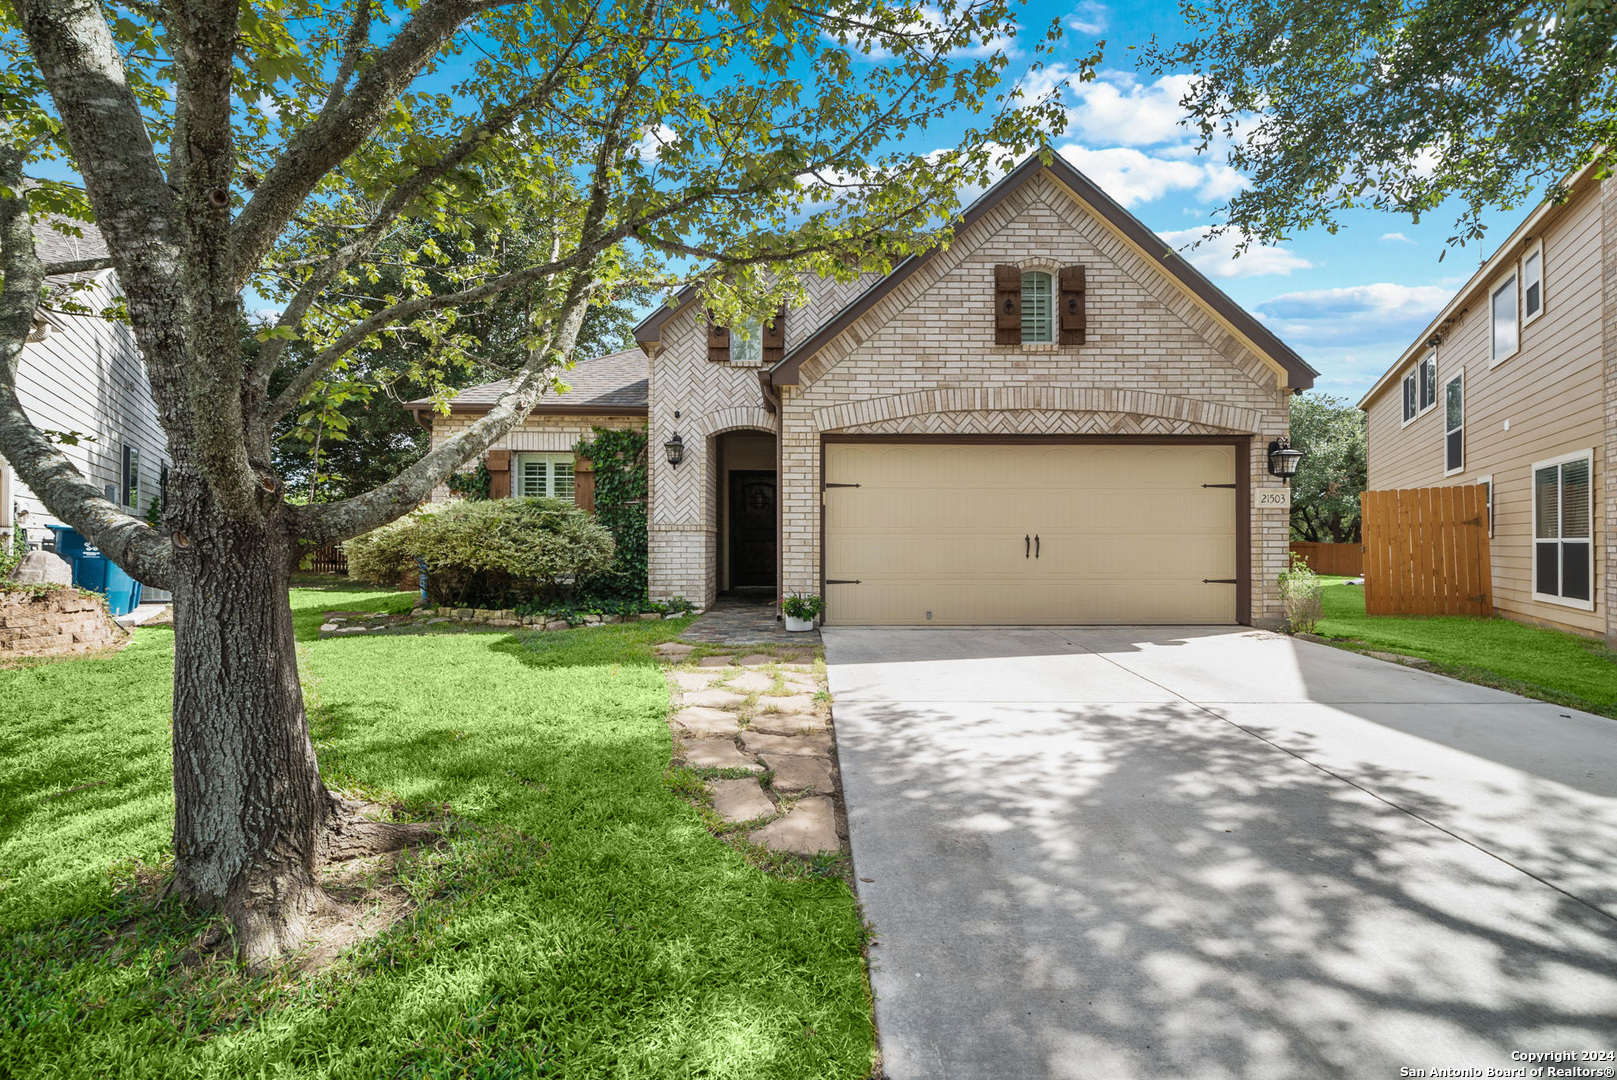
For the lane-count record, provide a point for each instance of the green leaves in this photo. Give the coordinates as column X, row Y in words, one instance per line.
column 1396, row 107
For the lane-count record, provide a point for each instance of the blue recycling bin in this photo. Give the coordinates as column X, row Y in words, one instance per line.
column 95, row 572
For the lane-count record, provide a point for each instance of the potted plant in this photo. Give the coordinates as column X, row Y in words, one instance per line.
column 801, row 609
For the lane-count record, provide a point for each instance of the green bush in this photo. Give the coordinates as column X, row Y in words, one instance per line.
column 1302, row 594
column 620, row 505
column 495, row 553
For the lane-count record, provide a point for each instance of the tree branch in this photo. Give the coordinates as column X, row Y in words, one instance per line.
column 342, row 128
column 76, row 266
column 130, row 542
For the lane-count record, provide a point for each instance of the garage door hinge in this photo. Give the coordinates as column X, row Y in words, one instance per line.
column 841, row 485
column 1219, row 581
column 843, row 581
column 1218, row 485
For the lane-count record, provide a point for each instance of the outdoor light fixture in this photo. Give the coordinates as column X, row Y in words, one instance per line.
column 675, row 449
column 1283, row 460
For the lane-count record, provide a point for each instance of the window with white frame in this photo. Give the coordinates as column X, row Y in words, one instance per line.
column 1563, row 512
column 1487, row 488
column 1502, row 313
column 1533, row 283
column 1428, row 381
column 1038, row 308
column 1454, row 425
column 1411, row 397
column 747, row 341
column 130, row 495
column 543, row 476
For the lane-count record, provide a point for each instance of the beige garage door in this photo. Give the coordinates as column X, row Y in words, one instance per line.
column 940, row 534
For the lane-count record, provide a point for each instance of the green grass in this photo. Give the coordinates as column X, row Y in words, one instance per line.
column 1530, row 660
column 583, row 924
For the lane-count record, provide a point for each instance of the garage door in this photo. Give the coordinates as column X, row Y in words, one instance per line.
column 940, row 534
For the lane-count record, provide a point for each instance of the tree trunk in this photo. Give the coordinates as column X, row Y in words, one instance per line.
column 253, row 821
column 249, row 804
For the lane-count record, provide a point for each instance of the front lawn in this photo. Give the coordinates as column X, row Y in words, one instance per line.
column 1529, row 660
column 585, row 924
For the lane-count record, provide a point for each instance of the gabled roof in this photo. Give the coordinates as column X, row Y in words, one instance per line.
column 611, row 385
column 1298, row 373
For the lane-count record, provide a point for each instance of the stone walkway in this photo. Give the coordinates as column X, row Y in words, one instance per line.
column 745, row 620
column 762, row 714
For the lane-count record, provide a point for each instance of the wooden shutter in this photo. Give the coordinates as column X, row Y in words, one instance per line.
column 499, row 473
column 584, row 484
column 718, row 342
column 1007, row 305
column 775, row 337
column 1070, row 306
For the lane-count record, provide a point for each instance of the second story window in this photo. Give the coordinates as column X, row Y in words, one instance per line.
column 747, row 342
column 1038, row 308
column 1533, row 284
column 1502, row 313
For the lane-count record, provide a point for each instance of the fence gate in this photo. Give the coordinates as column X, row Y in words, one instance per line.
column 1426, row 552
column 1344, row 560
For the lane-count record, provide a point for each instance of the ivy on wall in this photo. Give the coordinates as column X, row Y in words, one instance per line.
column 471, row 485
column 620, row 505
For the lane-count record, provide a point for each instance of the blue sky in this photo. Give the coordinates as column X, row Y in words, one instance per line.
column 1348, row 303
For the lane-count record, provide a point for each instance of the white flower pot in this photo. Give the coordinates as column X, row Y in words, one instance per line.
column 798, row 626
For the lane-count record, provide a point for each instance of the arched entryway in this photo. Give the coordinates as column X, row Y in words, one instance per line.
column 747, row 513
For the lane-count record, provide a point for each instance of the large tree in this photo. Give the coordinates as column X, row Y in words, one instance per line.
column 275, row 145
column 1396, row 107
column 1331, row 476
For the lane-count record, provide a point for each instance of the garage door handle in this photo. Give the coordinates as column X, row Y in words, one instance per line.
column 1027, row 546
column 1035, row 545
column 1219, row 581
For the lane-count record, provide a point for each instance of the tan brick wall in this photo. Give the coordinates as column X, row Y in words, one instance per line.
column 923, row 361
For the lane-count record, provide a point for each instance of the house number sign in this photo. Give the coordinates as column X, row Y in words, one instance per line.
column 1271, row 498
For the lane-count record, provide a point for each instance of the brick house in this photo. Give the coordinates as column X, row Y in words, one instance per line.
column 1054, row 420
column 1513, row 386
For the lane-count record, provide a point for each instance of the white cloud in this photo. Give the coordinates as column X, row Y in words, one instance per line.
column 1051, row 79
column 1382, row 313
column 1132, row 177
column 654, row 141
column 1216, row 256
column 933, row 26
column 1117, row 109
column 1089, row 17
column 1395, row 238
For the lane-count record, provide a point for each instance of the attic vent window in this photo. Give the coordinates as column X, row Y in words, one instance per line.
column 747, row 342
column 1038, row 314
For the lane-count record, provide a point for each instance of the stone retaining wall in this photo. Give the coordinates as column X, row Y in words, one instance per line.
column 55, row 622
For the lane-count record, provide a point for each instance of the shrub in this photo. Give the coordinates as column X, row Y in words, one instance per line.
column 804, row 606
column 620, row 504
column 1302, row 596
column 495, row 553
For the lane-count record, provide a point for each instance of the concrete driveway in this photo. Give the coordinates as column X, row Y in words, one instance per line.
column 1204, row 853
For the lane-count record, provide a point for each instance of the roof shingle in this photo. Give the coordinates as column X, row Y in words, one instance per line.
column 615, row 383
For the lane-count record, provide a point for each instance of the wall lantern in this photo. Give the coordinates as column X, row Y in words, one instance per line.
column 1283, row 460
column 675, row 448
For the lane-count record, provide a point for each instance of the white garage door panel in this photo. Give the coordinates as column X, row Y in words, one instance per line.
column 938, row 533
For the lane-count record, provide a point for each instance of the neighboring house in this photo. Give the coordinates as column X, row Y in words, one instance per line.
column 1512, row 387
column 82, row 375
column 1054, row 420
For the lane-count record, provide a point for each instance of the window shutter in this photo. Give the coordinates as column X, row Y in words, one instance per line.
column 498, row 463
column 1074, row 319
column 584, row 484
column 718, row 343
column 775, row 337
column 1007, row 305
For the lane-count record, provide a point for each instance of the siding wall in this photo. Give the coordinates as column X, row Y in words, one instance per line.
column 1550, row 393
column 88, row 376
column 924, row 361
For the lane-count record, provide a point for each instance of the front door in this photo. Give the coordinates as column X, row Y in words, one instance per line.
column 752, row 529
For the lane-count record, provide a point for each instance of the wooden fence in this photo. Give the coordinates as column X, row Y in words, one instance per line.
column 1345, row 560
column 327, row 560
column 1426, row 552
